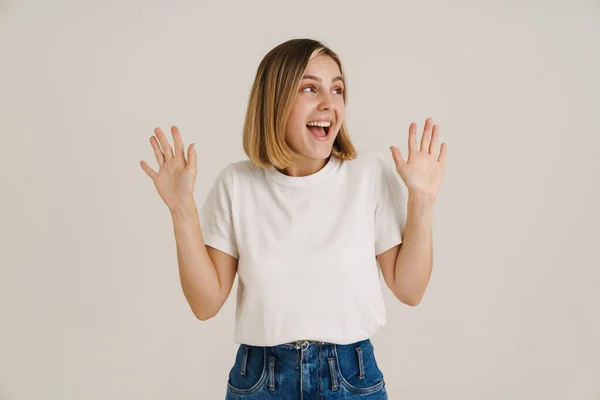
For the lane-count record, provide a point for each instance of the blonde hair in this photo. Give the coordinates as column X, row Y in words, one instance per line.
column 271, row 100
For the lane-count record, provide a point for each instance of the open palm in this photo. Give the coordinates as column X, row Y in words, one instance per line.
column 424, row 171
column 176, row 176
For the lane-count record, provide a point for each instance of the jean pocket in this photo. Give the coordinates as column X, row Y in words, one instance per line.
column 357, row 368
column 249, row 372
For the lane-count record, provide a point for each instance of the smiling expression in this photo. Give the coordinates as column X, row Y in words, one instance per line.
column 319, row 100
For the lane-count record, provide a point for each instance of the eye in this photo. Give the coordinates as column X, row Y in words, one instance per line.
column 340, row 90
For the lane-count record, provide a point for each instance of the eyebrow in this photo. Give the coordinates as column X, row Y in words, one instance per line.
column 316, row 78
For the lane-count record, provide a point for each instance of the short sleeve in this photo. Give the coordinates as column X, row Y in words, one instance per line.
column 216, row 218
column 390, row 207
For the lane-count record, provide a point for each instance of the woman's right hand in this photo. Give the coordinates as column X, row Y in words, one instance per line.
column 176, row 177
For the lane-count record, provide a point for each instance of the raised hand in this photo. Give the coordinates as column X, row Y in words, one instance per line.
column 176, row 176
column 423, row 172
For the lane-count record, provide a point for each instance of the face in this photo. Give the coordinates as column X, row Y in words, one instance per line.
column 319, row 98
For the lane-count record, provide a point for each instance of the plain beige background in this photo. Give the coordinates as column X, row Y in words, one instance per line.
column 90, row 300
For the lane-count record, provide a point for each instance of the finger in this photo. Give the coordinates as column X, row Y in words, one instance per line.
column 191, row 157
column 412, row 138
column 426, row 138
column 164, row 144
column 177, row 142
column 147, row 169
column 157, row 152
column 443, row 152
column 397, row 156
column 434, row 140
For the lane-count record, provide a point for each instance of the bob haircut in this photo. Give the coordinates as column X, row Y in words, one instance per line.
column 271, row 99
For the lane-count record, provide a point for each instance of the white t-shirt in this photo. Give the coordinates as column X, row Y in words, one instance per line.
column 306, row 247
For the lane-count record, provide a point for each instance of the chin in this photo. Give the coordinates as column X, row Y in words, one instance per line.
column 319, row 154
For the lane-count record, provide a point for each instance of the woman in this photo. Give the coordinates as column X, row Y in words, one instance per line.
column 304, row 222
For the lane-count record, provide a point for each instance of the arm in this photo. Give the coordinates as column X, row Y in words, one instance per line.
column 407, row 267
column 206, row 274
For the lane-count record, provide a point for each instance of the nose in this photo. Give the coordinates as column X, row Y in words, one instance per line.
column 326, row 102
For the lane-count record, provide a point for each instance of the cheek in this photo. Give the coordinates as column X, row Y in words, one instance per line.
column 341, row 113
column 298, row 114
column 295, row 127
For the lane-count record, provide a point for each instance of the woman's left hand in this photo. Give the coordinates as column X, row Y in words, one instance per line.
column 423, row 172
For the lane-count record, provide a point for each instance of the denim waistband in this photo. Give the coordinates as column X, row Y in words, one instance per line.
column 305, row 343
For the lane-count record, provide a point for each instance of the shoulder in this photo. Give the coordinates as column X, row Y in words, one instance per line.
column 237, row 172
column 379, row 168
column 369, row 162
column 243, row 169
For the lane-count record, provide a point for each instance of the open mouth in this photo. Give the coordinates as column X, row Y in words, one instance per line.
column 319, row 131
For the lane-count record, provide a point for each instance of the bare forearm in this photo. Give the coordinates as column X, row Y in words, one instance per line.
column 198, row 275
column 415, row 258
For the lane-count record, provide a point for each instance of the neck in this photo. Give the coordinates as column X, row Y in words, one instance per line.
column 305, row 167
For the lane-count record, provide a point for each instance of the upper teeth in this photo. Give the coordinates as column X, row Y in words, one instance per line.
column 320, row 123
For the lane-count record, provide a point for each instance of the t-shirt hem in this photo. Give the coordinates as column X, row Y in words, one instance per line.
column 220, row 243
column 346, row 339
column 384, row 246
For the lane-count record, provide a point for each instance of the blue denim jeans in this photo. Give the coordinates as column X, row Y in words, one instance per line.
column 306, row 370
